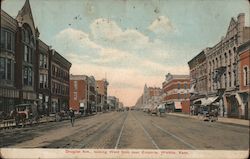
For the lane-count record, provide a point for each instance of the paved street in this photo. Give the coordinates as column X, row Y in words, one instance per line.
column 129, row 130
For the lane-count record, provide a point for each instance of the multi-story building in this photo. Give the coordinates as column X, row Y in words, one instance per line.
column 113, row 102
column 19, row 38
column 43, row 84
column 198, row 76
column 222, row 66
column 92, row 95
column 82, row 93
column 9, row 94
column 25, row 64
column 150, row 92
column 102, row 92
column 59, row 82
column 139, row 102
column 176, row 89
column 244, row 79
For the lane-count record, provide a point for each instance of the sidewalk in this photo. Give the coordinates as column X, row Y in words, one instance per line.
column 241, row 122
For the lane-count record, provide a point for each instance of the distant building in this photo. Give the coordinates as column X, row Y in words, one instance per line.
column 113, row 102
column 83, row 93
column 102, row 92
column 176, row 89
column 139, row 102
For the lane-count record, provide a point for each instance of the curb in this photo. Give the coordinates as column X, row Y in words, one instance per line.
column 222, row 122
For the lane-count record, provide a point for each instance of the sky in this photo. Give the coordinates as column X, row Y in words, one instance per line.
column 131, row 42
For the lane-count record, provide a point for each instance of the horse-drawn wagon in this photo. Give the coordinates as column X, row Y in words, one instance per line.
column 25, row 114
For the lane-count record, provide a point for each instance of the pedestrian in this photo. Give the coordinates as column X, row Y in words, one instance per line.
column 72, row 117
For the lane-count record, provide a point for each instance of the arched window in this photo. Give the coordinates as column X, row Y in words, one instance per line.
column 225, row 55
column 29, row 46
column 245, row 76
column 29, row 43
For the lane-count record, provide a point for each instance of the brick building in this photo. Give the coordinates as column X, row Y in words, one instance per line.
column 176, row 89
column 83, row 93
column 25, row 66
column 59, row 82
column 244, row 79
column 102, row 92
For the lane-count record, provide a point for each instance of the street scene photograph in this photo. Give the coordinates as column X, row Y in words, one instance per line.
column 125, row 79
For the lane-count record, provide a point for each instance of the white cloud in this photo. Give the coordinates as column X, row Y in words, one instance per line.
column 161, row 25
column 128, row 57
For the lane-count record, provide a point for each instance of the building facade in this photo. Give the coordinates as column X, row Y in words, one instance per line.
column 83, row 94
column 198, row 75
column 59, row 82
column 25, row 66
column 43, row 84
column 102, row 93
column 113, row 102
column 176, row 89
column 244, row 79
column 9, row 94
column 222, row 67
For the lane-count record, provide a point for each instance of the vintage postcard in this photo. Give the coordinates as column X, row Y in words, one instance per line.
column 124, row 79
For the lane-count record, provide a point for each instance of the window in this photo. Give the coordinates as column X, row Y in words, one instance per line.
column 41, row 60
column 179, row 96
column 41, row 80
column 3, row 39
column 8, row 69
column 46, row 81
column 185, row 86
column 2, row 68
column 7, row 40
column 179, row 85
column 245, row 76
column 28, row 76
column 45, row 61
column 29, row 44
column 75, row 85
column 25, row 76
column 75, row 95
column 229, row 75
column 25, row 53
column 225, row 79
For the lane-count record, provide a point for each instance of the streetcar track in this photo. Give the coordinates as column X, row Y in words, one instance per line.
column 120, row 134
column 96, row 134
column 146, row 132
column 174, row 136
column 171, row 134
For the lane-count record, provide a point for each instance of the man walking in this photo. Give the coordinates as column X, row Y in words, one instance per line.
column 72, row 117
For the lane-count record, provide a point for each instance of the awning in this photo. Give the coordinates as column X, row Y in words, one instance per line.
column 177, row 105
column 192, row 90
column 206, row 101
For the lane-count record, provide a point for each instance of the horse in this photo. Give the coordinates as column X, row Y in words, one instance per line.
column 19, row 117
